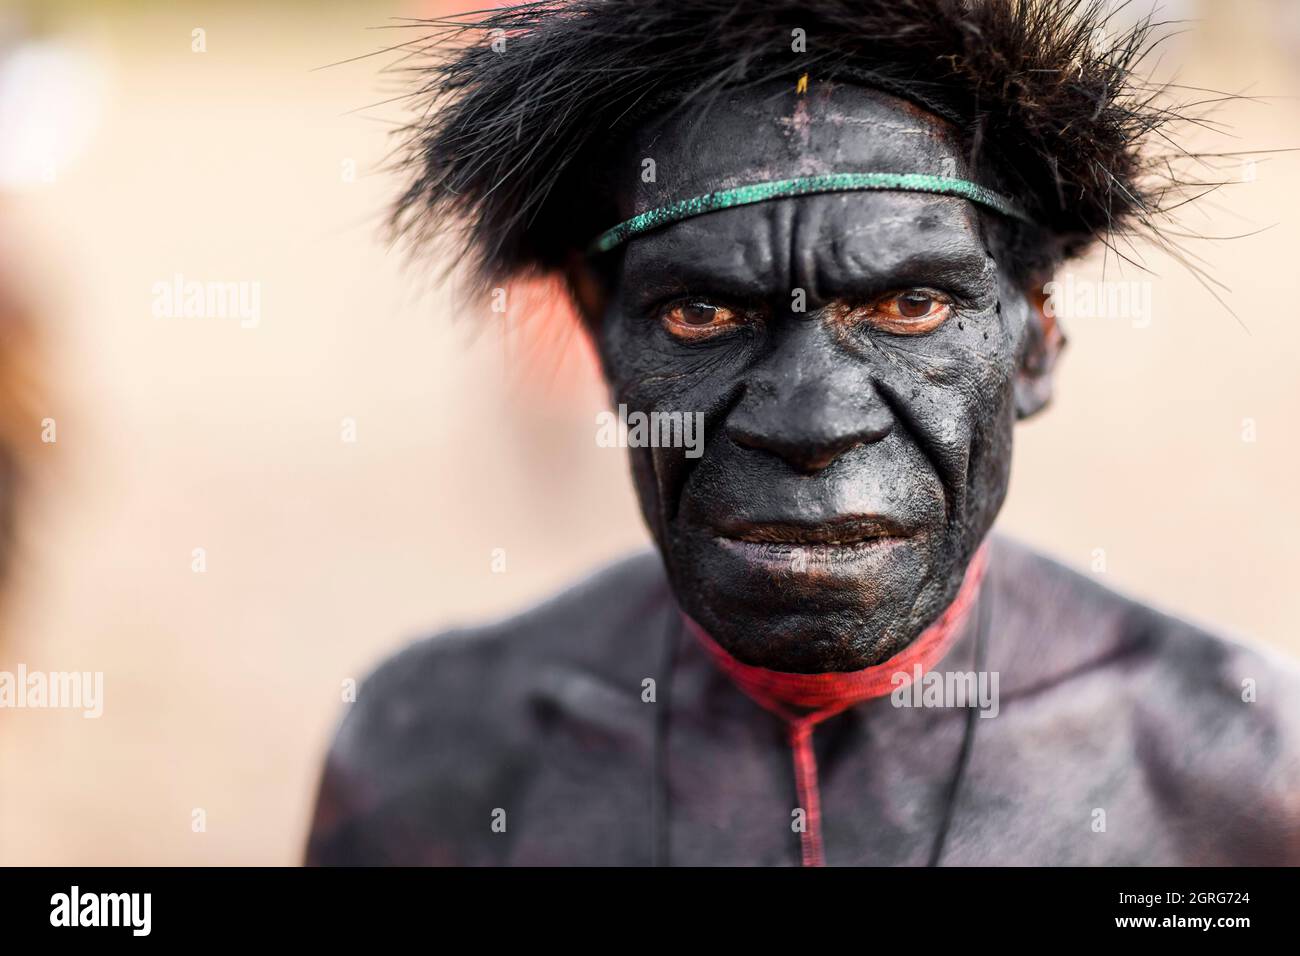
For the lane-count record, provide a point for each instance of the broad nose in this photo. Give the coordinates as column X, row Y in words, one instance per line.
column 808, row 402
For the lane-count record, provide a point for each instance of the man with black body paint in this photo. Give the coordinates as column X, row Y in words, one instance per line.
column 860, row 359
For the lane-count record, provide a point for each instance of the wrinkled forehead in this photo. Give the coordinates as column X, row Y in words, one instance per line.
column 830, row 243
column 776, row 132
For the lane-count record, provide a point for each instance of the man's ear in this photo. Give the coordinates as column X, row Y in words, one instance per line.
column 1042, row 346
column 587, row 288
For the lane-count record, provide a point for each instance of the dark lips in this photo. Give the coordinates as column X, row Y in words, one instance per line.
column 844, row 531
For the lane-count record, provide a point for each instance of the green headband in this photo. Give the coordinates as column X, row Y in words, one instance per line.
column 805, row 186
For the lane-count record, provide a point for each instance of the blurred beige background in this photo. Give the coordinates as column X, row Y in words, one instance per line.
column 222, row 687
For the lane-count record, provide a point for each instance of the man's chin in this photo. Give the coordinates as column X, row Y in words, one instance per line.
column 810, row 643
column 804, row 607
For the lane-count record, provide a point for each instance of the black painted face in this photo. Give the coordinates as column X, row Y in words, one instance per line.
column 855, row 358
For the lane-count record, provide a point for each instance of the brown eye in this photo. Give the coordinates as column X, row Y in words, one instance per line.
column 698, row 320
column 914, row 305
column 911, row 312
column 697, row 314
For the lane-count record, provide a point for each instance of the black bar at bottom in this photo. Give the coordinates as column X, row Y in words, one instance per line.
column 438, row 907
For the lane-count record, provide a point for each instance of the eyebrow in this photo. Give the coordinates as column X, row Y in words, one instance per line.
column 969, row 267
column 666, row 265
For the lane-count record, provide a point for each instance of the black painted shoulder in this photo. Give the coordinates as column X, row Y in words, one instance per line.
column 451, row 719
column 1214, row 722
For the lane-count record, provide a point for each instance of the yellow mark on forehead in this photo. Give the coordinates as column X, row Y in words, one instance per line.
column 802, row 86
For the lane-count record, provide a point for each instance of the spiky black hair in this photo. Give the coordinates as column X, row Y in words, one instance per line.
column 1043, row 93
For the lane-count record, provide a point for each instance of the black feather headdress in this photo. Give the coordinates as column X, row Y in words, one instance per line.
column 520, row 104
